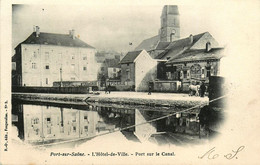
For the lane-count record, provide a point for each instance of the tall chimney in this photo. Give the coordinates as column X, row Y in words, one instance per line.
column 208, row 46
column 191, row 39
column 73, row 34
column 37, row 32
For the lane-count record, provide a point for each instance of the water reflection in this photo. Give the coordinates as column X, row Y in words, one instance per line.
column 44, row 124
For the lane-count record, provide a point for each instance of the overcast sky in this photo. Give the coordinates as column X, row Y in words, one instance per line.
column 113, row 27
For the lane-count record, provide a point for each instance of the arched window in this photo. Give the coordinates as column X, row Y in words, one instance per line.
column 195, row 71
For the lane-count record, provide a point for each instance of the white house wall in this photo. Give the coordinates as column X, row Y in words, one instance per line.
column 144, row 131
column 59, row 57
column 145, row 71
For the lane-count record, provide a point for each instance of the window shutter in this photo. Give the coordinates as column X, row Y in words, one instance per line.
column 212, row 71
column 203, row 72
column 188, row 74
column 181, row 75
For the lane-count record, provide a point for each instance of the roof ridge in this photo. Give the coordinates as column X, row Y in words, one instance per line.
column 55, row 39
column 172, row 44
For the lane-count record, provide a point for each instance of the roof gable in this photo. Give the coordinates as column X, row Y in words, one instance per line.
column 201, row 42
column 55, row 39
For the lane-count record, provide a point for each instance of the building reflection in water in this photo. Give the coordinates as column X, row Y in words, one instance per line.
column 41, row 124
column 168, row 129
column 47, row 124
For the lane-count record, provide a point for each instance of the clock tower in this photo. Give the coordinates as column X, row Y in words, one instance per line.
column 170, row 24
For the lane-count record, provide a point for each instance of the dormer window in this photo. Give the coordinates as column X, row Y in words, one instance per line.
column 208, row 46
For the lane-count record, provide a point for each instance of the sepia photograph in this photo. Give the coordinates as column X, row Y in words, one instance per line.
column 131, row 83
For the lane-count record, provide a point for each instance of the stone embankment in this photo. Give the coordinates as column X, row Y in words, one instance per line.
column 120, row 99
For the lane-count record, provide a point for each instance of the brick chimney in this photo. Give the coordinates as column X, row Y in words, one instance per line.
column 37, row 31
column 191, row 39
column 72, row 34
column 208, row 46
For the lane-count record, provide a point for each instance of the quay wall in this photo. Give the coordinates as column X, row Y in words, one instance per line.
column 72, row 90
column 178, row 102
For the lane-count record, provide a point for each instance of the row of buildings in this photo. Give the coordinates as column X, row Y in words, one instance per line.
column 165, row 61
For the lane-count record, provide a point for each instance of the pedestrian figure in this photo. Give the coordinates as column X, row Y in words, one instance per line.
column 150, row 89
column 105, row 89
column 109, row 88
column 202, row 89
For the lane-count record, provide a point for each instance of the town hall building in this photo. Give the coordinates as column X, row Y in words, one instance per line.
column 44, row 58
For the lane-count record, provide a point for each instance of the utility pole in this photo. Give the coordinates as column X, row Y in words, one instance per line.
column 61, row 76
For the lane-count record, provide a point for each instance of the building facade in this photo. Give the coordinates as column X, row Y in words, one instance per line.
column 44, row 58
column 194, row 66
column 138, row 69
column 109, row 70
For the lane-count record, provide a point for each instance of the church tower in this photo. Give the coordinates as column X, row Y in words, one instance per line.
column 170, row 23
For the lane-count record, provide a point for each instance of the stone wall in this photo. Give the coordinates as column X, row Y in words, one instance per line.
column 167, row 86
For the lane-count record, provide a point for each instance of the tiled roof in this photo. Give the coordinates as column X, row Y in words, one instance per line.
column 162, row 45
column 113, row 63
column 130, row 57
column 197, row 55
column 148, row 44
column 55, row 39
column 179, row 46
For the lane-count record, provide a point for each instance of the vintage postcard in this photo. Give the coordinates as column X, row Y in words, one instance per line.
column 130, row 82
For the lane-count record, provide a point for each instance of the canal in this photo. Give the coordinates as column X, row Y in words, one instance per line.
column 45, row 124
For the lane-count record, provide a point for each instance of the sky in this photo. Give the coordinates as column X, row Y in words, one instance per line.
column 110, row 27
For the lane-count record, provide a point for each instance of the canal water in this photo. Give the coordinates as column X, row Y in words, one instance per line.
column 51, row 124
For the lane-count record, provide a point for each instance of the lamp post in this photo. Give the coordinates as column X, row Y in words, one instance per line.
column 60, row 76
